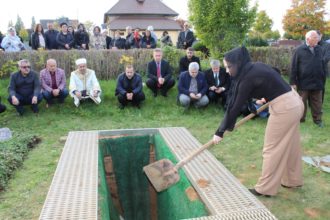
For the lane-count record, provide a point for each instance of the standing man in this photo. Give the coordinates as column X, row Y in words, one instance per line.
column 186, row 37
column 84, row 84
column 50, row 37
column 129, row 88
column 308, row 75
column 129, row 34
column 24, row 88
column 53, row 83
column 159, row 74
column 193, row 87
column 64, row 39
column 218, row 81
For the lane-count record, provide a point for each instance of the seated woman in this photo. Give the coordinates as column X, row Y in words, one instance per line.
column 11, row 42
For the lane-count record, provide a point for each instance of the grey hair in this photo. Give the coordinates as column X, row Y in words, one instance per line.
column 51, row 61
column 309, row 34
column 20, row 62
column 215, row 63
column 158, row 50
column 193, row 66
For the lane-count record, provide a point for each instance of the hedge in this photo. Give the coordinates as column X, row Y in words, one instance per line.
column 12, row 154
column 107, row 63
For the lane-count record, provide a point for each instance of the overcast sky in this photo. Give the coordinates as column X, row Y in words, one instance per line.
column 94, row 11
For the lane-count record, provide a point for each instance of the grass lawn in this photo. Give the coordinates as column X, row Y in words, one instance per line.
column 240, row 151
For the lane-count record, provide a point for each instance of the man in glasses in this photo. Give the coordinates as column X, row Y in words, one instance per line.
column 24, row 88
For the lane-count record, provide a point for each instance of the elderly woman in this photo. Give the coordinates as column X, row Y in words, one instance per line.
column 84, row 84
column 97, row 40
column 12, row 43
column 193, row 87
column 282, row 151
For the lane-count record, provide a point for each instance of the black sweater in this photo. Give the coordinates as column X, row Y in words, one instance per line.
column 259, row 81
column 24, row 85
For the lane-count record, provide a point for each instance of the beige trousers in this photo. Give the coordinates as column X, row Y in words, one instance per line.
column 282, row 151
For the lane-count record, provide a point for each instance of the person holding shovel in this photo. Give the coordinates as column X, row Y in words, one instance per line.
column 282, row 150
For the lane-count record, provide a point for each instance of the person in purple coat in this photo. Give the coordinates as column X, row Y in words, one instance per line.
column 53, row 83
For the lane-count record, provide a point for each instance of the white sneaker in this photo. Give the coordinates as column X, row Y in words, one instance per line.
column 97, row 99
column 76, row 101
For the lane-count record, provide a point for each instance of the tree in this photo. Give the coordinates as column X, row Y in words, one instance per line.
column 261, row 31
column 89, row 25
column 23, row 33
column 19, row 24
column 303, row 16
column 33, row 23
column 263, row 22
column 221, row 25
column 10, row 24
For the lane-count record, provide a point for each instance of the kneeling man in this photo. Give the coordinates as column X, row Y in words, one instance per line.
column 84, row 84
column 193, row 87
column 129, row 88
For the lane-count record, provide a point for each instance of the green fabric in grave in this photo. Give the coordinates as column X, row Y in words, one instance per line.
column 129, row 155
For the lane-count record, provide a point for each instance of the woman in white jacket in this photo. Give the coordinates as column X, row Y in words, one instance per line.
column 84, row 84
column 12, row 43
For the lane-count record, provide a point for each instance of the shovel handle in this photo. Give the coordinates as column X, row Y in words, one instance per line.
column 210, row 143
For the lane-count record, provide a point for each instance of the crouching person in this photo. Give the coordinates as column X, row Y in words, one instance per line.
column 24, row 88
column 53, row 83
column 193, row 87
column 129, row 88
column 84, row 84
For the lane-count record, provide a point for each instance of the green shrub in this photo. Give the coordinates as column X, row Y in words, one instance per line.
column 7, row 68
column 256, row 42
column 106, row 63
column 279, row 57
column 12, row 154
column 199, row 46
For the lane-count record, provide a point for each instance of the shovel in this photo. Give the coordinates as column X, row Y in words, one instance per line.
column 163, row 173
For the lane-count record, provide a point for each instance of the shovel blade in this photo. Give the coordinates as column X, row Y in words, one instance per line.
column 161, row 174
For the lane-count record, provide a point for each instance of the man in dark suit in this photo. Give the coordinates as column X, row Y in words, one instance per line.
column 50, row 37
column 129, row 88
column 186, row 60
column 185, row 38
column 159, row 74
column 218, row 81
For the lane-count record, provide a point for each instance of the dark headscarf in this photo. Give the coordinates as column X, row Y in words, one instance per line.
column 240, row 60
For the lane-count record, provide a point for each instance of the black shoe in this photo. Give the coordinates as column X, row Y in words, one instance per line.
column 164, row 94
column 155, row 94
column 302, row 120
column 121, row 106
column 319, row 124
column 254, row 192
column 290, row 187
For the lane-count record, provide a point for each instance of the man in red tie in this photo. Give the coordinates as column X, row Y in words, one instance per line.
column 159, row 74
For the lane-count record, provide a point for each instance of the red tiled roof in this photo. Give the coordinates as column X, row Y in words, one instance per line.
column 158, row 23
column 129, row 7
